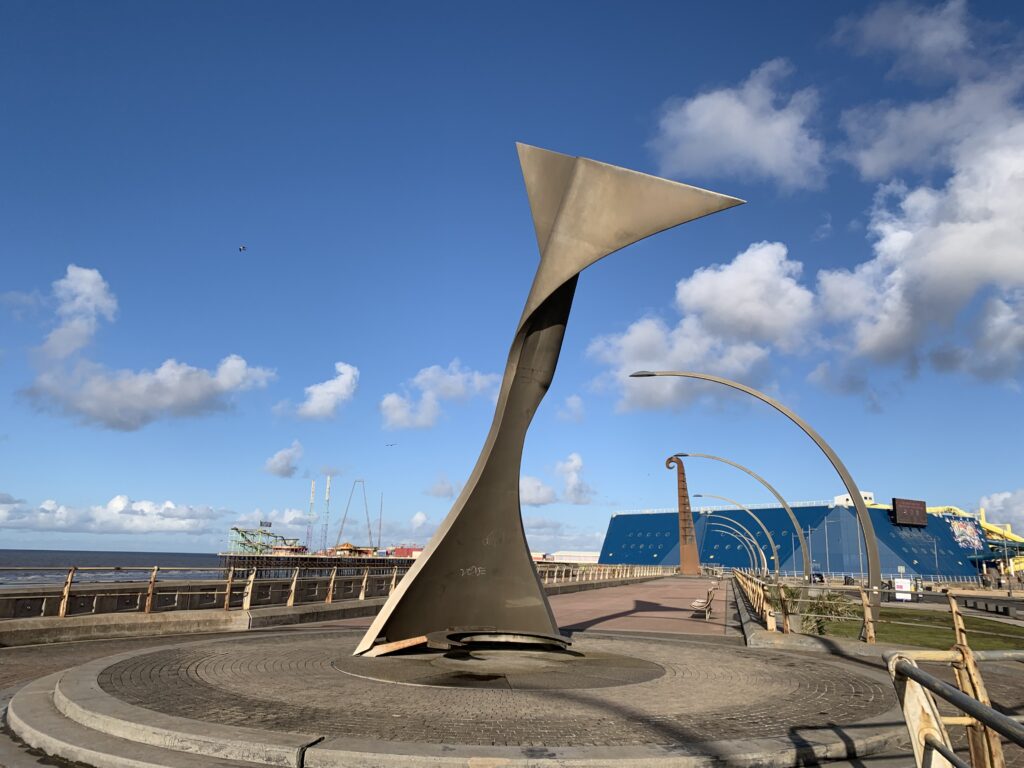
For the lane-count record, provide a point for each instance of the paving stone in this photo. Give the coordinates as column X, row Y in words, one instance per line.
column 313, row 684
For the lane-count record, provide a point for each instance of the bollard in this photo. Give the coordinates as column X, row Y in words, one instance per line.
column 959, row 629
column 366, row 578
column 294, row 588
column 330, row 586
column 65, row 595
column 784, row 604
column 250, row 587
column 151, row 589
column 228, row 588
column 869, row 620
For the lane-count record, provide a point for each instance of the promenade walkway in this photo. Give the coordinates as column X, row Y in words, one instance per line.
column 653, row 607
column 643, row 639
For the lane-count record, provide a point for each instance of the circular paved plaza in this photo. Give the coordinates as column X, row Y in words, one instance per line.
column 653, row 701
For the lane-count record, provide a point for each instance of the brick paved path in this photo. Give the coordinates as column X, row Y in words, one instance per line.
column 653, row 606
column 311, row 683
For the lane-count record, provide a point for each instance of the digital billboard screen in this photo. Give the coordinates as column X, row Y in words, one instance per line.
column 909, row 512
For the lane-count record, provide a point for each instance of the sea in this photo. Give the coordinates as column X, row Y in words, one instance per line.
column 46, row 566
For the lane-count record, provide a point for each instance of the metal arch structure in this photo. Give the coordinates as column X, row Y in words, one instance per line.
column 754, row 560
column 771, row 541
column 476, row 572
column 789, row 511
column 759, row 556
column 737, row 526
column 867, row 528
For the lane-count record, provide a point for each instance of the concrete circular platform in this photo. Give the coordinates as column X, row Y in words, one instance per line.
column 301, row 699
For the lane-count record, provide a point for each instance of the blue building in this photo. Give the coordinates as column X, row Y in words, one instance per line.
column 949, row 545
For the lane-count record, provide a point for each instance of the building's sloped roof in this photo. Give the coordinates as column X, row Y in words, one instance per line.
column 944, row 547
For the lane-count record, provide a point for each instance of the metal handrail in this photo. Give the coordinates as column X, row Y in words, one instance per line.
column 993, row 718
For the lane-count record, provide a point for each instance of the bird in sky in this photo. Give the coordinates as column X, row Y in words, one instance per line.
column 241, row 249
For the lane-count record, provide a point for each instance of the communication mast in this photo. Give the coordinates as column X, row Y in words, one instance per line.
column 327, row 516
column 312, row 516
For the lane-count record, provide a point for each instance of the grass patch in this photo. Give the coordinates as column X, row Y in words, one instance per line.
column 933, row 629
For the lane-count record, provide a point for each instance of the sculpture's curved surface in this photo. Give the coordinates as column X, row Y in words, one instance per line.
column 476, row 572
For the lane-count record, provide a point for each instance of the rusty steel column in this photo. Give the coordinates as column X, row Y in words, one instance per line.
column 689, row 558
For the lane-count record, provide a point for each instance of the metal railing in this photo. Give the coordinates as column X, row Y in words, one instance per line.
column 786, row 608
column 563, row 573
column 917, row 689
column 128, row 589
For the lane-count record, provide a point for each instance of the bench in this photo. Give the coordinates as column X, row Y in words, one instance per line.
column 704, row 604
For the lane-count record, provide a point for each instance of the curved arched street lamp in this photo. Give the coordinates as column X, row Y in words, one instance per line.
column 771, row 541
column 751, row 560
column 755, row 561
column 868, row 530
column 735, row 525
column 789, row 511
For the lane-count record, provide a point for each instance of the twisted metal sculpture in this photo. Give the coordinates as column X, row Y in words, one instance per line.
column 476, row 573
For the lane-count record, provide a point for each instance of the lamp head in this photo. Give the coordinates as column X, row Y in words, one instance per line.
column 642, row 374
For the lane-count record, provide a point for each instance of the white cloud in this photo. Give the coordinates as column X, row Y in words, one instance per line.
column 755, row 297
column 533, row 492
column 733, row 315
column 572, row 410
column 996, row 346
column 926, row 39
column 283, row 462
column 548, row 535
column 400, row 412
column 649, row 344
column 123, row 399
column 882, row 139
column 750, row 130
column 289, row 522
column 127, row 400
column 442, row 488
column 1005, row 507
column 435, row 384
column 323, row 399
column 935, row 249
column 942, row 248
column 417, row 521
column 119, row 515
column 83, row 297
column 571, row 472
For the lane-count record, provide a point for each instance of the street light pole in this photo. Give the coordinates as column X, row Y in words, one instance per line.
column 767, row 533
column 747, row 538
column 828, row 563
column 870, row 540
column 778, row 497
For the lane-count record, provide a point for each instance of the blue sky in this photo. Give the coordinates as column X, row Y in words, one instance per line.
column 158, row 385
